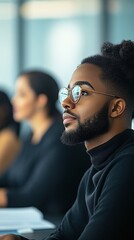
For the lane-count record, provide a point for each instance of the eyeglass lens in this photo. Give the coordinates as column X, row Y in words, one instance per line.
column 63, row 94
column 75, row 93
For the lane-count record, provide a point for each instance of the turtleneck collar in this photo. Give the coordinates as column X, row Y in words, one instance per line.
column 101, row 155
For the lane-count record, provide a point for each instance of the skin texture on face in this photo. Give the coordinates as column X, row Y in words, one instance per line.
column 24, row 101
column 90, row 128
column 92, row 112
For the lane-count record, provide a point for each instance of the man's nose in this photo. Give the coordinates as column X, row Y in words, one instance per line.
column 67, row 103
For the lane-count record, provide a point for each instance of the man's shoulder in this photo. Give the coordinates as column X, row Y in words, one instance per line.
column 128, row 149
column 123, row 158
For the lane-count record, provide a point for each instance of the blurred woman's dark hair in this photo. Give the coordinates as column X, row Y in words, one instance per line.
column 43, row 83
column 6, row 113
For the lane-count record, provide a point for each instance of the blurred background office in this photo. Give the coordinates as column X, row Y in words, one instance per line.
column 57, row 34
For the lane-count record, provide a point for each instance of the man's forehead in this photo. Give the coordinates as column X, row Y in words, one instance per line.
column 81, row 83
column 85, row 74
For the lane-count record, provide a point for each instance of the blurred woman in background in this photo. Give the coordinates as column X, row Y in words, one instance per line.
column 9, row 133
column 46, row 173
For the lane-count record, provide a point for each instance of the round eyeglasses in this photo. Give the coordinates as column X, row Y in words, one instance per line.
column 76, row 92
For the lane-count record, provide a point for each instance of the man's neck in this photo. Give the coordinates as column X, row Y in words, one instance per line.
column 101, row 139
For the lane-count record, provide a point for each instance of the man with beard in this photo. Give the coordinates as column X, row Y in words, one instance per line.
column 98, row 108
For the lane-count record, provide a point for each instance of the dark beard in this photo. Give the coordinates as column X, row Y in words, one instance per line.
column 91, row 128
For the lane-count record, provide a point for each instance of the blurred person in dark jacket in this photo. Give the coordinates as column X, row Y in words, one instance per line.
column 46, row 173
column 9, row 133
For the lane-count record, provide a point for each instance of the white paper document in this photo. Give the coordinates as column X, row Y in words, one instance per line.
column 23, row 219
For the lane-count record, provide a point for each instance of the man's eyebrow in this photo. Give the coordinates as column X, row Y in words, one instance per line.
column 83, row 83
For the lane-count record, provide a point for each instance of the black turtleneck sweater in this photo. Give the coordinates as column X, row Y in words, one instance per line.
column 104, row 207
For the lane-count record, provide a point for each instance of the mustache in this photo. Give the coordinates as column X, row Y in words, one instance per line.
column 69, row 112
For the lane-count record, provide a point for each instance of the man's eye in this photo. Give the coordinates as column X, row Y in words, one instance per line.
column 84, row 93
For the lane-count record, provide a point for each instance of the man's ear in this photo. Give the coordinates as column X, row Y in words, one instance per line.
column 117, row 107
column 42, row 100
